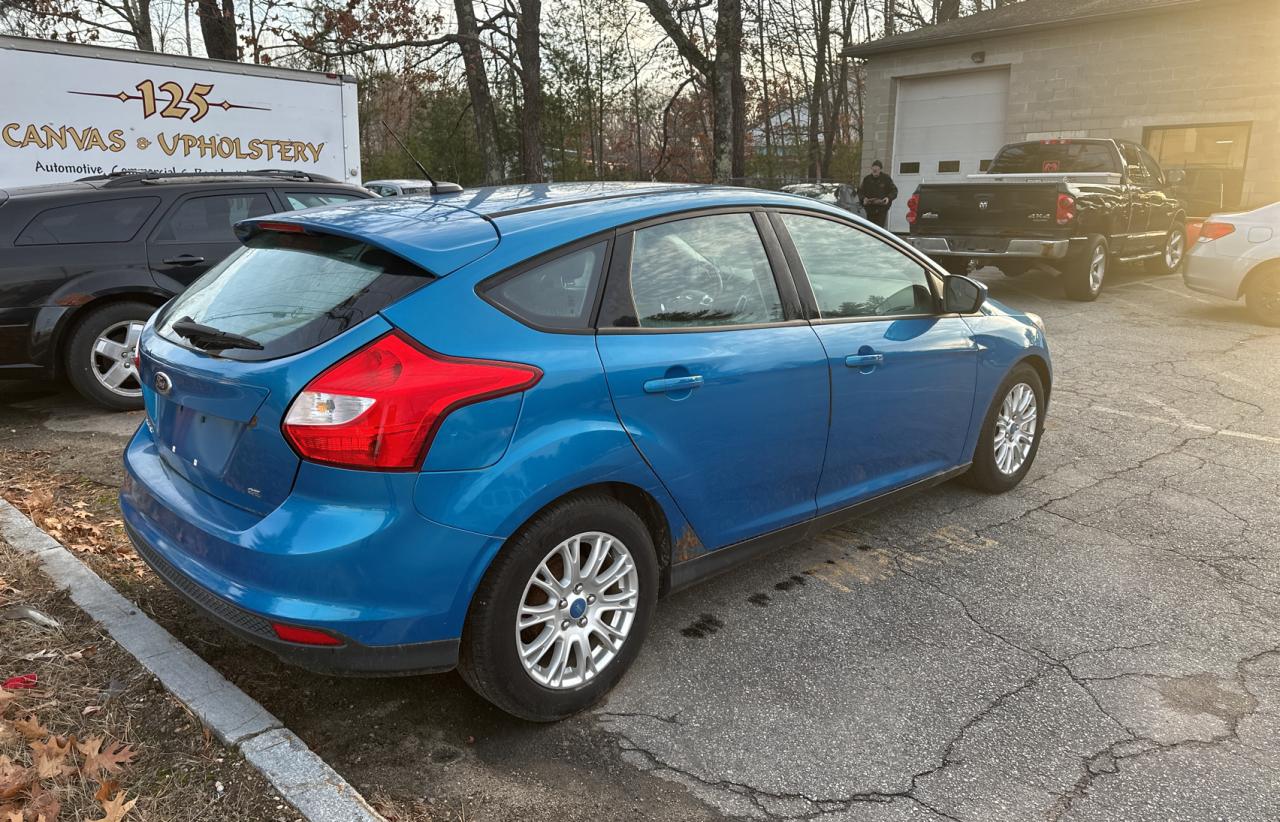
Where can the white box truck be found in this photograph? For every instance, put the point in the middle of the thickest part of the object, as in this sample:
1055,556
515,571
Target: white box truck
69,111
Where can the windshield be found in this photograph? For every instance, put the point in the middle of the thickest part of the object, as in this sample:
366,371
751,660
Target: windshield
1063,157
291,292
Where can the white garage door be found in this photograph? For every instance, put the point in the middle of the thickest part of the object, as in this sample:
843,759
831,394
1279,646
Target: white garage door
945,127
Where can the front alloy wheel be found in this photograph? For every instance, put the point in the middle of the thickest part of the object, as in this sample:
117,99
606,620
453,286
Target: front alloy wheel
1170,260
1015,428
1011,432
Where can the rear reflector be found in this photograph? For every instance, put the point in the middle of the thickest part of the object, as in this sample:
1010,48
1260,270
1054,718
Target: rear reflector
304,636
1215,231
380,407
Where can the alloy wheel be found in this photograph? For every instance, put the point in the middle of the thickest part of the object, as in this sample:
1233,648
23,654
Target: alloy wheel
111,358
1175,248
1015,428
577,610
1097,268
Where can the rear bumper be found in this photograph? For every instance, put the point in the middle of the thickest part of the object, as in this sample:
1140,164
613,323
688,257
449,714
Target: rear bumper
346,553
1211,273
969,247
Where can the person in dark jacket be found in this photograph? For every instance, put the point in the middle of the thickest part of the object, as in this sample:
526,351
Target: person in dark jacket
877,193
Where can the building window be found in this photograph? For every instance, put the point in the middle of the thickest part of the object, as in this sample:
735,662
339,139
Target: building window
948,166
908,168
1213,157
983,165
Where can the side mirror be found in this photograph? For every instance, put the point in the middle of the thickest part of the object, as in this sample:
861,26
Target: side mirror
962,295
1176,176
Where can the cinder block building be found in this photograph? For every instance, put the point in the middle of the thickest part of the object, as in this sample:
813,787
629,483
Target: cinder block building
1196,81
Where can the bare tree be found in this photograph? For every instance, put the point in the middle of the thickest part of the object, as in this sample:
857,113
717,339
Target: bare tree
218,28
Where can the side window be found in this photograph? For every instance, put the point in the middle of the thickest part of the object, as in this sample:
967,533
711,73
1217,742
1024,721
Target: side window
699,272
1139,173
854,274
1153,168
209,219
558,294
107,221
310,199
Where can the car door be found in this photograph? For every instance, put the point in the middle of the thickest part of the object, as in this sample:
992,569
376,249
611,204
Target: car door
1165,204
720,382
196,234
902,374
1144,188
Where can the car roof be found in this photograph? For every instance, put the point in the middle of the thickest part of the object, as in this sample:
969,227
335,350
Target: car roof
135,183
401,183
443,232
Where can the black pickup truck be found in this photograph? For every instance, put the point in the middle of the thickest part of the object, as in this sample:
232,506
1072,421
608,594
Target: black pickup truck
1074,205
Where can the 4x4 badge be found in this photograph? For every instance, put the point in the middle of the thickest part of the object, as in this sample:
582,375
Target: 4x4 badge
162,382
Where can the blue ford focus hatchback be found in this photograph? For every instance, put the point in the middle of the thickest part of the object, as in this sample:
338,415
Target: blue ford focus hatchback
488,430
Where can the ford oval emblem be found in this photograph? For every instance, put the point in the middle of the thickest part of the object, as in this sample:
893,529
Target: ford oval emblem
162,383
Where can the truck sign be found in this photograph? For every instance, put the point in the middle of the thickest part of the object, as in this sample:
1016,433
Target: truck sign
72,111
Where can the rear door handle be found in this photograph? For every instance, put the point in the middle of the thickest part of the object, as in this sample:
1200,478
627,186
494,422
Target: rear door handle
185,259
863,360
672,384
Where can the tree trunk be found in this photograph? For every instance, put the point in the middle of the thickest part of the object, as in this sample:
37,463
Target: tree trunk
818,101
890,21
482,111
218,28
948,10
528,49
723,80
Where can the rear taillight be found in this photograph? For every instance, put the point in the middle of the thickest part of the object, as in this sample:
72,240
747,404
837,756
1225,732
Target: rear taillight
913,206
1066,209
1211,231
380,407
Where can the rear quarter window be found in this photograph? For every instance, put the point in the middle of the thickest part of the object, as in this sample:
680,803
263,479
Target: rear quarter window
104,221
558,294
292,292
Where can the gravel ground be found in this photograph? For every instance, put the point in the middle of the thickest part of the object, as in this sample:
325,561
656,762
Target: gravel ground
1100,643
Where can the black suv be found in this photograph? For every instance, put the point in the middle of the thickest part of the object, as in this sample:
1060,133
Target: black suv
84,264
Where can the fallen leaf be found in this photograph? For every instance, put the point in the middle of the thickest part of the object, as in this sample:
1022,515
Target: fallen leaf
115,809
110,759
105,790
14,778
47,653
31,727
91,710
43,804
15,683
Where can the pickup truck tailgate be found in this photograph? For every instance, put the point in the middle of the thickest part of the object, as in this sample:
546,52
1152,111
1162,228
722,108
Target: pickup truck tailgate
996,209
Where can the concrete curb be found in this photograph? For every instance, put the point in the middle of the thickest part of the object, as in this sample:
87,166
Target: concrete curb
292,768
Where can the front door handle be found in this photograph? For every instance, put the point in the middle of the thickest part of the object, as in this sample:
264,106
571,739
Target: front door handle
672,384
185,259
864,360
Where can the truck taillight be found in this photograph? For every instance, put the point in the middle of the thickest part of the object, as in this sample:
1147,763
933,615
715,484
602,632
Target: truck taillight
380,407
1211,231
1066,209
913,206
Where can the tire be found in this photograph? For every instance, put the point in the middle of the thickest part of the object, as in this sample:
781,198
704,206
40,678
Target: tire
954,265
1262,294
986,474
1171,258
113,327
489,660
1079,278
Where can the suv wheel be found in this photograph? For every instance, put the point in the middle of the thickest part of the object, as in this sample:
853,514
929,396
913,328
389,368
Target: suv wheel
99,355
1083,276
562,611
1262,295
1169,261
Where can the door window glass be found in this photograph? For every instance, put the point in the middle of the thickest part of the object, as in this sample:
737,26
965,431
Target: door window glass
702,271
558,294
854,274
209,219
311,199
106,221
1138,171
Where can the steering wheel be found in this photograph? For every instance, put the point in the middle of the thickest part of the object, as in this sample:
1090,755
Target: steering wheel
690,299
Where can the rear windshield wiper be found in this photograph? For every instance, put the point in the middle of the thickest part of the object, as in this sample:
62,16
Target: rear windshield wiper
212,339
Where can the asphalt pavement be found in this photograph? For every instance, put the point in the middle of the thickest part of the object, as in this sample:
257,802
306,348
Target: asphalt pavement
1099,644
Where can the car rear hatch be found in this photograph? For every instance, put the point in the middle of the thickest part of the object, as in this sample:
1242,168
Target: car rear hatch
291,303
987,210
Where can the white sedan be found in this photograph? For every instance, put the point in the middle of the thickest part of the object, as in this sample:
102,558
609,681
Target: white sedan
1238,255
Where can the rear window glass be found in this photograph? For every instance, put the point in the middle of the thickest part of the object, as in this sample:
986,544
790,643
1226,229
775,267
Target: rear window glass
106,221
1054,158
558,294
291,292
